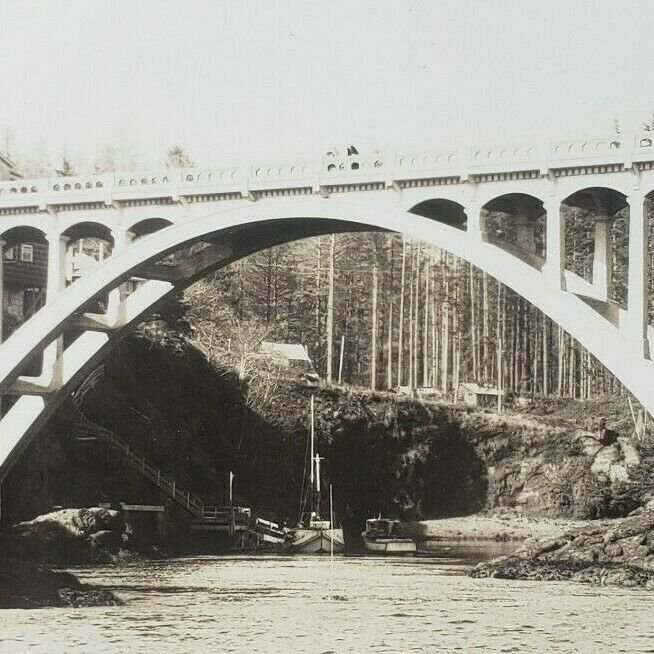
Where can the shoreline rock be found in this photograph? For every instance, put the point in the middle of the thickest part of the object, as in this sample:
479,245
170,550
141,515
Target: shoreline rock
61,538
28,586
616,552
76,537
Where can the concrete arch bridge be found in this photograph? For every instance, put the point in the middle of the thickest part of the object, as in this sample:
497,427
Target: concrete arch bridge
154,234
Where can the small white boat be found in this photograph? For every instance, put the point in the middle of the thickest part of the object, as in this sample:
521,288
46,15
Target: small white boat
382,537
317,538
314,535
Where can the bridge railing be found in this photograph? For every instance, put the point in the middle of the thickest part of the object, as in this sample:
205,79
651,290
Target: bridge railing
329,170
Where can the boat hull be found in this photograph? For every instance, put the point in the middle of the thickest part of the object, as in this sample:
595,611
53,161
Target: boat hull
391,546
316,541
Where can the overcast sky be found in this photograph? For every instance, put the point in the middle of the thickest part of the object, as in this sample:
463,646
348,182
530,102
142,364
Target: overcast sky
270,80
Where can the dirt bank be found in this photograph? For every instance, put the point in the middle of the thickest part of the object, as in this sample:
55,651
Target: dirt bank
504,526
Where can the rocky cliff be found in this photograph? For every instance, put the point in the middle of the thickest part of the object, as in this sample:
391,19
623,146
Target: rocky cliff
384,452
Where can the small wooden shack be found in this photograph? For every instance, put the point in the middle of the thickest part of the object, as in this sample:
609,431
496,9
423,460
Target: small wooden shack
474,394
293,356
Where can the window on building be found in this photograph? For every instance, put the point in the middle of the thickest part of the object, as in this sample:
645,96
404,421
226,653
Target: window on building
9,254
27,252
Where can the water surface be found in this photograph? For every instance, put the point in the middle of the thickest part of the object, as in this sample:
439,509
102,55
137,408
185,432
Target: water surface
354,605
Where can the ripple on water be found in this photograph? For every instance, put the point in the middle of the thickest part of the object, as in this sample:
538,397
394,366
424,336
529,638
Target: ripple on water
274,604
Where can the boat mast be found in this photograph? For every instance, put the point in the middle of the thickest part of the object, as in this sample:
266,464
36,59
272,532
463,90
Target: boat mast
311,477
318,498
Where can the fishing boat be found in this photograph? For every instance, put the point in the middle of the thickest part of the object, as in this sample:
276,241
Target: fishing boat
383,536
314,535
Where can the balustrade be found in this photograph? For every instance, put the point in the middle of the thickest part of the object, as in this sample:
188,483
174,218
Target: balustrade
332,169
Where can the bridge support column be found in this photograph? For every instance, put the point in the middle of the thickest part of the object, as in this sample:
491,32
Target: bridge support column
2,288
554,244
476,227
117,296
57,245
56,265
637,319
603,258
525,234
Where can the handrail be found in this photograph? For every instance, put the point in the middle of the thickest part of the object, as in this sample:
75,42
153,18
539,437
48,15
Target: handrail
138,461
87,428
233,181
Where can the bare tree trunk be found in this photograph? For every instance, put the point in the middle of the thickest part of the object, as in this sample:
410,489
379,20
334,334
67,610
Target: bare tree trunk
537,351
445,345
373,355
456,344
504,336
559,387
411,317
389,361
416,319
485,327
330,309
498,335
434,336
546,388
425,327
473,324
400,338
317,305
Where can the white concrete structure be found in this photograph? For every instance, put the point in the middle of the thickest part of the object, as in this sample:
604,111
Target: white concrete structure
222,214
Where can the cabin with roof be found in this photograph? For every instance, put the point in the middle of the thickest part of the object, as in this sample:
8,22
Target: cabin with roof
474,394
293,356
25,265
25,270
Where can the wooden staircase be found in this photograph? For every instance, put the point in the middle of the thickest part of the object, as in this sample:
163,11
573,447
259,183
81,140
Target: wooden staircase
85,430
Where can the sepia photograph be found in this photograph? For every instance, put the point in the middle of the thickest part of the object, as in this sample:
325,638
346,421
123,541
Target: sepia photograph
327,327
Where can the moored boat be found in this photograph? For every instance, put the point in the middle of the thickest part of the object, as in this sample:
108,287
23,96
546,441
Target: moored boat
314,535
317,538
383,536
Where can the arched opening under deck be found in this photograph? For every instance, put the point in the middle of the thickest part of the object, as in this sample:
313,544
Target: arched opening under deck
515,222
443,211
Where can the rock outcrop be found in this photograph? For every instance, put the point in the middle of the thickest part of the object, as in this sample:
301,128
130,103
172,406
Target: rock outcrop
72,536
26,586
616,552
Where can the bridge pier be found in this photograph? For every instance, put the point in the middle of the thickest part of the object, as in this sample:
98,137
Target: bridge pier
2,293
526,234
554,267
57,249
51,376
603,258
476,222
51,373
637,307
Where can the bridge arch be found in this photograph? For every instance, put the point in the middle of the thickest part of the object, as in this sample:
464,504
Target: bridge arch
31,221
97,218
447,212
145,226
516,222
21,234
569,186
237,232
